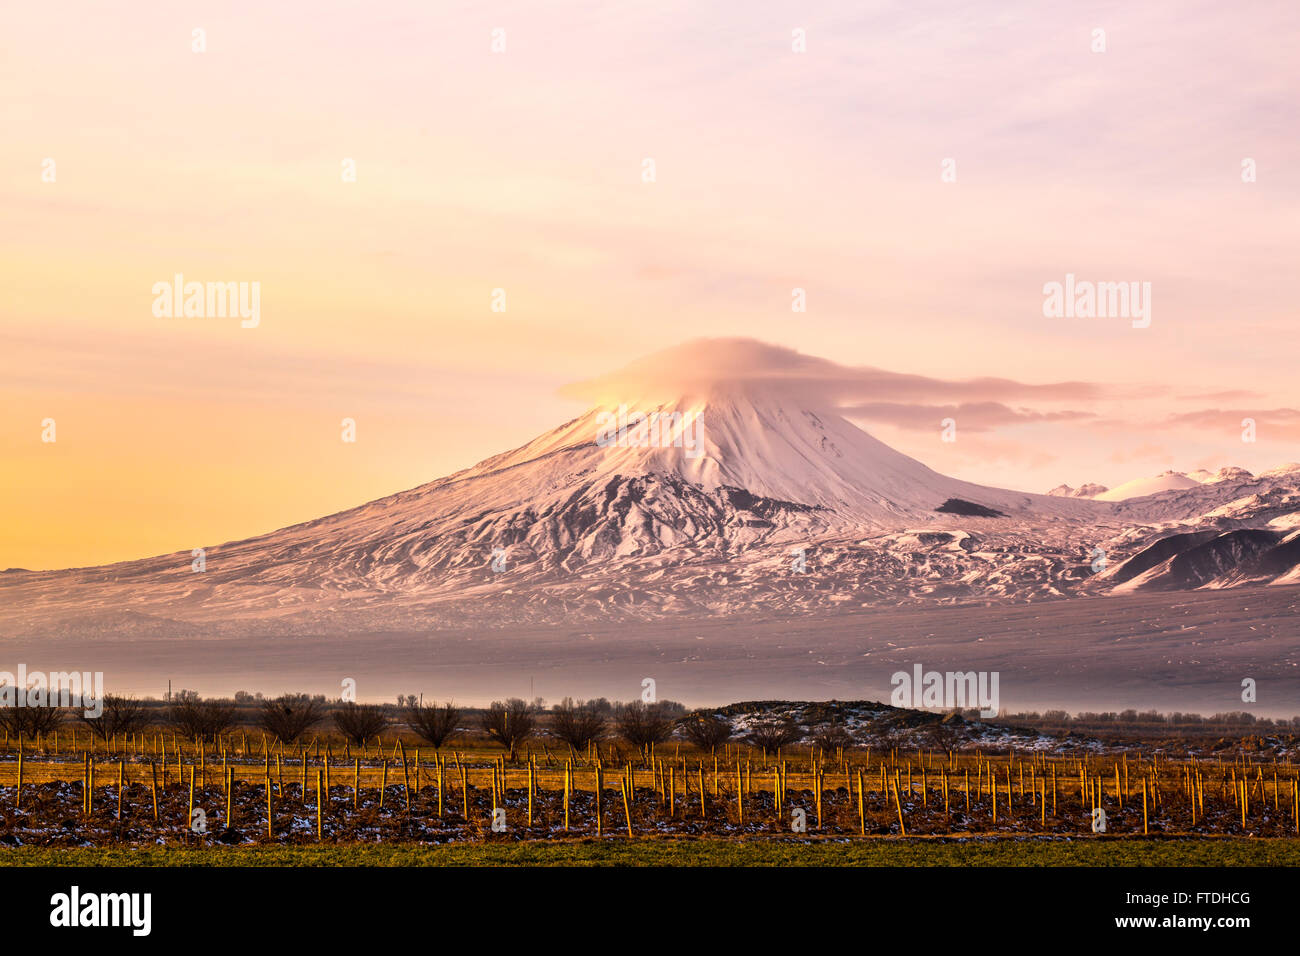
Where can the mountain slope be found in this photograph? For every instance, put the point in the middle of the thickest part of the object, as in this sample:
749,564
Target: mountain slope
730,500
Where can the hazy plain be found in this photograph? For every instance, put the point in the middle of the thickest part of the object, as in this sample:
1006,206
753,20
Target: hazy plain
1187,651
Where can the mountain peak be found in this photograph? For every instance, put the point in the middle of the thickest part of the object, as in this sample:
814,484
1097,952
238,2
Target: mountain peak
782,444
709,369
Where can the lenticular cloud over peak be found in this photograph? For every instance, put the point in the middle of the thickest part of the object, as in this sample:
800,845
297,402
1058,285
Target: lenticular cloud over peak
707,365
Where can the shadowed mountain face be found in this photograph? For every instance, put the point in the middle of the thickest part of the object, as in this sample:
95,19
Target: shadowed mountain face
1160,552
727,502
1203,558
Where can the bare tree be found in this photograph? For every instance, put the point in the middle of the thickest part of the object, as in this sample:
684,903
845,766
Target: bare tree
27,722
643,725
120,716
432,722
195,717
509,723
946,734
707,731
577,724
289,716
773,733
360,722
831,738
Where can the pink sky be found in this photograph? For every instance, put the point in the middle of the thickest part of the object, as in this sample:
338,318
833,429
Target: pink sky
522,170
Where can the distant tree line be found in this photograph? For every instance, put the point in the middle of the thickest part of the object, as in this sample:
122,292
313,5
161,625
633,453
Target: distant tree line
579,725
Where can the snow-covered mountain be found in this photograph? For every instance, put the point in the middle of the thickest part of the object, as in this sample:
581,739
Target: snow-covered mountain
1089,490
1168,481
1141,487
734,436
731,499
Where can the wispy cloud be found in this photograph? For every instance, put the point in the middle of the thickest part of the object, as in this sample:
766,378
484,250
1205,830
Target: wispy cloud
974,416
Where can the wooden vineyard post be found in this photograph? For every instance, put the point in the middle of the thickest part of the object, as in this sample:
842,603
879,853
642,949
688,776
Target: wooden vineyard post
90,784
898,802
190,816
862,809
383,783
406,775
226,781
121,773
740,797
702,813
464,789
153,771
1144,806
18,790
627,806
320,805
441,769
600,785
356,785
531,771
817,794
270,810
568,771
